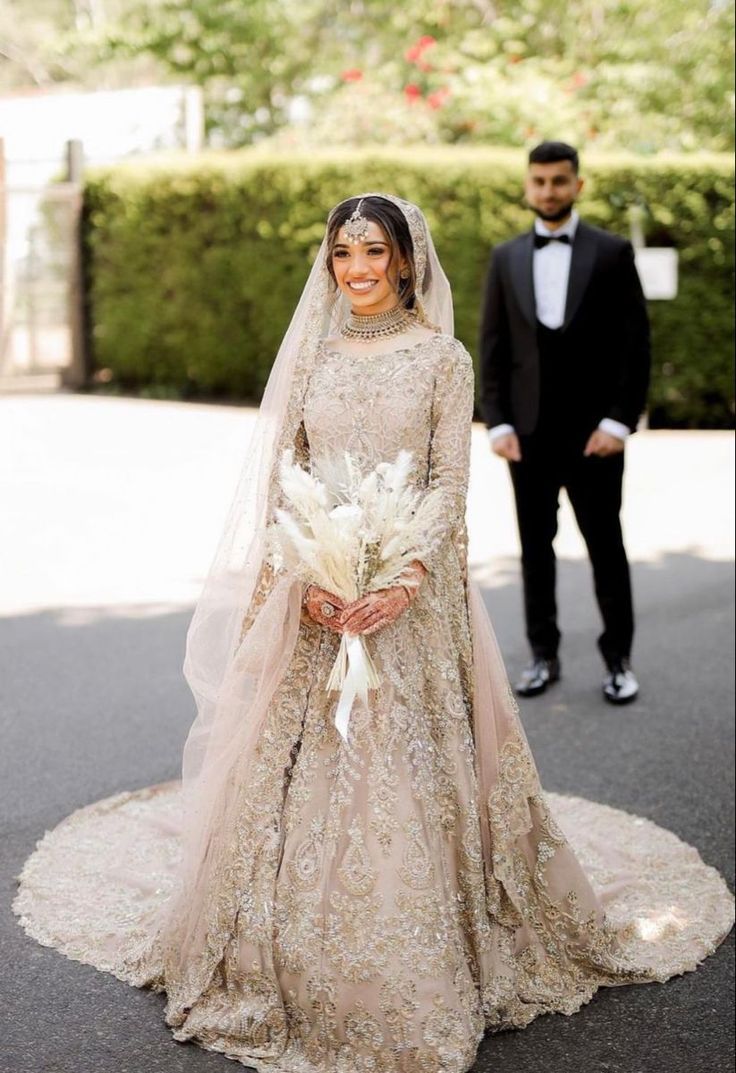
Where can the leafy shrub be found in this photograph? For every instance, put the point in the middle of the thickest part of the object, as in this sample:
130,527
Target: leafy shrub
195,264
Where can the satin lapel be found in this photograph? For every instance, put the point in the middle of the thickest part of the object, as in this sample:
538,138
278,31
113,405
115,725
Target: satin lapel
522,275
581,267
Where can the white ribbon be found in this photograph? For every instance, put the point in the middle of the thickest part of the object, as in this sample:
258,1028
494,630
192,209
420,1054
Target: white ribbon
354,673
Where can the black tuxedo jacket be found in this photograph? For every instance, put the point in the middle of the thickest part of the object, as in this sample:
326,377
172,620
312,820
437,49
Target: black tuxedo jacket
605,335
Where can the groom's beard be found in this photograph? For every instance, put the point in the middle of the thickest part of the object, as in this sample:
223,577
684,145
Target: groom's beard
555,217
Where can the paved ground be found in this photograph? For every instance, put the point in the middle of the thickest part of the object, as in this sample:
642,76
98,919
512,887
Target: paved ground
108,513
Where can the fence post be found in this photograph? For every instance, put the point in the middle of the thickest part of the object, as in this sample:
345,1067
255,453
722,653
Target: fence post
77,373
3,254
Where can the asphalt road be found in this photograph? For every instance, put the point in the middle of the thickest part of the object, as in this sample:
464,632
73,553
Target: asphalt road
92,702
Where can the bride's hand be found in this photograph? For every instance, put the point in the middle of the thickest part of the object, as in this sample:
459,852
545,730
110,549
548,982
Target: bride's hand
323,608
378,609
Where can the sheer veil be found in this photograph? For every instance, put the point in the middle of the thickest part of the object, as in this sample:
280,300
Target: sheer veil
201,925
233,675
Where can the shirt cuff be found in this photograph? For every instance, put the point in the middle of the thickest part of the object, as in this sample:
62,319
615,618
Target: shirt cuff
498,431
615,428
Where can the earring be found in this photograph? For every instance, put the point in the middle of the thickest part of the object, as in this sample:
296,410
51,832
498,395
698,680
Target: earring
404,273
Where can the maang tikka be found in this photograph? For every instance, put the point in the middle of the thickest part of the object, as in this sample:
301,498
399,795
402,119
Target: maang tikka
356,227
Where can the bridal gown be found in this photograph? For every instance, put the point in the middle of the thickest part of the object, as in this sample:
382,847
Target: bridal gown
357,921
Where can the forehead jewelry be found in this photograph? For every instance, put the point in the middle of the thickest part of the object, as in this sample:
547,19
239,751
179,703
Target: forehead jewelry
356,228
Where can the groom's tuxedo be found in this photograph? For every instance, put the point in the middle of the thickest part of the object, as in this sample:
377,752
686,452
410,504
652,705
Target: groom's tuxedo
565,349
605,335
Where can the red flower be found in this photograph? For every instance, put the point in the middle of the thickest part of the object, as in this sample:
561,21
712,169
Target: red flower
352,75
438,98
412,92
414,53
579,79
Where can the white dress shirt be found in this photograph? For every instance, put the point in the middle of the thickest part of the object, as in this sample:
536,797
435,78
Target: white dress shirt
551,273
551,270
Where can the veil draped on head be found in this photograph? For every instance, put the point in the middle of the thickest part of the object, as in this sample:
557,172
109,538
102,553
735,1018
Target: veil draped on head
232,673
213,650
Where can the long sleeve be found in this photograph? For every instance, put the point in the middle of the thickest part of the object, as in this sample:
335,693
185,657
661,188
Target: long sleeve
631,391
495,352
449,457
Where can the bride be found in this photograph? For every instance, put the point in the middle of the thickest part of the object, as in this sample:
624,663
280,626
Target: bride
318,905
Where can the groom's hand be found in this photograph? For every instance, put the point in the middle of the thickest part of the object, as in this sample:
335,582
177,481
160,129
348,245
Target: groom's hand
507,447
602,444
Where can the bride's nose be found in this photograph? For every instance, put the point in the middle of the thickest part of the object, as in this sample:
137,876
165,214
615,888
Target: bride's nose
359,265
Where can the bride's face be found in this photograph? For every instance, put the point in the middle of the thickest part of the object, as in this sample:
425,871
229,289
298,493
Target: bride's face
365,271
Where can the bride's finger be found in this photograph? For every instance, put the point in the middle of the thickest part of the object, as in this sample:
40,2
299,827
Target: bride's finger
329,597
356,613
376,614
358,625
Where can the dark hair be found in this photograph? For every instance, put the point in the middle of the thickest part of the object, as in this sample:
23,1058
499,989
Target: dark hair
393,223
551,152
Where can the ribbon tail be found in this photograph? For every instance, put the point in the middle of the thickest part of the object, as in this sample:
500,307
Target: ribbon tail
361,675
344,708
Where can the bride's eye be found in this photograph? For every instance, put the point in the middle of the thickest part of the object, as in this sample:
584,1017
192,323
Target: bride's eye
376,250
340,254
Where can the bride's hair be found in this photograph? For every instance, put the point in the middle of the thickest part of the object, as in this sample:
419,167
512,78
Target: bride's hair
393,223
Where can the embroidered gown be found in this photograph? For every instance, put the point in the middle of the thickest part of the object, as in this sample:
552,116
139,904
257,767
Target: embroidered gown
356,922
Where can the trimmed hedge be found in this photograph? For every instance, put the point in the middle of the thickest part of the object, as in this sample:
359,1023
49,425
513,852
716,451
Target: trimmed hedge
195,264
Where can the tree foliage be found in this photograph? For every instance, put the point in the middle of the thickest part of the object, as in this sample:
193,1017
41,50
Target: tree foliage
632,74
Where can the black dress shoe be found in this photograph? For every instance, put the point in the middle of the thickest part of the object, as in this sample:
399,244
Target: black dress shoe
620,685
537,676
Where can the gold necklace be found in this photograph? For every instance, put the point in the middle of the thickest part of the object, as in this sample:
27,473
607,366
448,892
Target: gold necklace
378,325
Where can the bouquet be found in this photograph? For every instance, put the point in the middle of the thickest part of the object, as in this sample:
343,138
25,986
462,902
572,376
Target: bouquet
352,533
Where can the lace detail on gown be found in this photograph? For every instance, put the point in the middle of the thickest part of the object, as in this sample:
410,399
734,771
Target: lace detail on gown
672,909
353,920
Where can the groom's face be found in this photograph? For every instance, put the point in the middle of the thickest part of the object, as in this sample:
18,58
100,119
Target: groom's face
552,189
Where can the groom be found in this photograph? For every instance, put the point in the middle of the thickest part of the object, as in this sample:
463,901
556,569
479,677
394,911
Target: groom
565,368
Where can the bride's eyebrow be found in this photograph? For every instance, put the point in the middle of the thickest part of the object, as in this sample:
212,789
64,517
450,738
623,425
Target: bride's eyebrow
371,242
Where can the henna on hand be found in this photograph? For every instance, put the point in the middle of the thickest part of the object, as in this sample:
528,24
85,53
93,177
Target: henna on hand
316,603
378,609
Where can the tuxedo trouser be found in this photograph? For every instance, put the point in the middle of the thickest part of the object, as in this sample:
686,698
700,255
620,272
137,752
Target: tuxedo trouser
593,486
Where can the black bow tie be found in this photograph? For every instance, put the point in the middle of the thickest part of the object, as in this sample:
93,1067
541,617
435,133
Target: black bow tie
540,241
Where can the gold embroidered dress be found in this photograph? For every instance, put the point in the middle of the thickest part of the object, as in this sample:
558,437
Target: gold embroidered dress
371,906
353,924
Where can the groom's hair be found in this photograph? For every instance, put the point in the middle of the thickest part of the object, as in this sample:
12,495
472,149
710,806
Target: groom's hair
552,152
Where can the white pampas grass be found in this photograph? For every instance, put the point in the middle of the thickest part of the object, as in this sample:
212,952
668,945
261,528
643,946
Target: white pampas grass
352,533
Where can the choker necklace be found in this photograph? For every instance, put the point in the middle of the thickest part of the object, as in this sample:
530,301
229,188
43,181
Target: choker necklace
378,325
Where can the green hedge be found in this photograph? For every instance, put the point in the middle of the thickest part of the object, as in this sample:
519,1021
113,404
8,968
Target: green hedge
195,264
